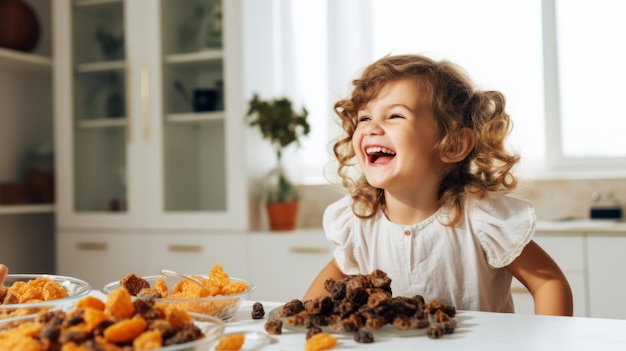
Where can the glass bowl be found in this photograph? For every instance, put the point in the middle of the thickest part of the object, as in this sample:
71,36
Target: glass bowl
211,327
75,288
220,306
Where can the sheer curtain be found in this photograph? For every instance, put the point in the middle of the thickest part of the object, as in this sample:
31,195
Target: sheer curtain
508,45
325,44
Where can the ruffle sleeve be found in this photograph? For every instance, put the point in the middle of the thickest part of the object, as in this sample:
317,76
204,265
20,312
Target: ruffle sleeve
504,225
338,222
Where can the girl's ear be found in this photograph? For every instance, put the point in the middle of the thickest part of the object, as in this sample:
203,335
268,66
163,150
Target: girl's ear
462,142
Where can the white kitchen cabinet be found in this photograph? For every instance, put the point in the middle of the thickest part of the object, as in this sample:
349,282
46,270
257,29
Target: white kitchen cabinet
26,136
568,250
99,258
284,265
607,281
133,151
198,253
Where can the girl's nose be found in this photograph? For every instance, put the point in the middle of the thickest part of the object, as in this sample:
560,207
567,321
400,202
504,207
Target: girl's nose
373,128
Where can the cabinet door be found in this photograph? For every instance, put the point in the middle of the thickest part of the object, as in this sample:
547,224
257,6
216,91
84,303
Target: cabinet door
95,137
198,165
198,253
568,250
100,258
607,281
283,266
150,130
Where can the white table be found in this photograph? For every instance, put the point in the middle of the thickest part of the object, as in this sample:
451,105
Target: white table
475,331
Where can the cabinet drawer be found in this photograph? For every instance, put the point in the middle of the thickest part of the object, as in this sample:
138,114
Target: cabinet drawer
198,253
100,258
284,265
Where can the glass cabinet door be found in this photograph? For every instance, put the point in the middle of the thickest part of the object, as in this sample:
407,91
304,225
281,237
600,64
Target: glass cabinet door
193,124
99,106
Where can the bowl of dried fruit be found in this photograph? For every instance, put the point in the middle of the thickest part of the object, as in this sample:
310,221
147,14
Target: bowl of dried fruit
27,294
117,323
216,294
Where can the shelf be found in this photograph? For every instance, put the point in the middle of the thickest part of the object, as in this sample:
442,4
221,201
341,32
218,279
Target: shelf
104,66
81,3
102,123
22,60
26,209
194,117
195,57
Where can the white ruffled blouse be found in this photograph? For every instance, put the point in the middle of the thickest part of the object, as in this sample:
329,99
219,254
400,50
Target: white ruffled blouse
462,265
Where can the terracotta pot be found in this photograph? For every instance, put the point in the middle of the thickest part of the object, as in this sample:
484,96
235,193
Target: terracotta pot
19,25
283,215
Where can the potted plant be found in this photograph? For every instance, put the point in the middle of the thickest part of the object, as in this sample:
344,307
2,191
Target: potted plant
282,125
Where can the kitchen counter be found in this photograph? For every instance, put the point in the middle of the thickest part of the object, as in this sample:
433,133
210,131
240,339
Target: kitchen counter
582,226
475,331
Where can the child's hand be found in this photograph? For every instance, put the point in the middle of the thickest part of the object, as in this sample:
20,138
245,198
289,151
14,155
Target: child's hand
4,270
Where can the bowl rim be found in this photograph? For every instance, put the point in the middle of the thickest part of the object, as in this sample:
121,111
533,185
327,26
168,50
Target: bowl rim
83,290
109,287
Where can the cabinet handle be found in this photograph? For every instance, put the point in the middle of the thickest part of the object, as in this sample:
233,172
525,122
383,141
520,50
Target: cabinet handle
184,248
129,123
91,246
309,249
145,102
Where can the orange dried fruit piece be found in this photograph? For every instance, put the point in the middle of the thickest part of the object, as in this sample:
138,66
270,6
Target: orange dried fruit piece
119,304
232,342
93,317
148,340
91,302
320,341
176,316
126,330
22,337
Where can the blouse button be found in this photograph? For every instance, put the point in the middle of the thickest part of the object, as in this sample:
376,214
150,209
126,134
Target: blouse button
407,232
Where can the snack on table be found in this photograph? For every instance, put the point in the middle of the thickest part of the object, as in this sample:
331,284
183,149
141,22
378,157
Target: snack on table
36,290
258,312
218,295
30,293
362,303
320,341
232,342
274,326
105,326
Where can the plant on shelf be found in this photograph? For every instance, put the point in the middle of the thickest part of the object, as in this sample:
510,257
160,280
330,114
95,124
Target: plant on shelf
282,125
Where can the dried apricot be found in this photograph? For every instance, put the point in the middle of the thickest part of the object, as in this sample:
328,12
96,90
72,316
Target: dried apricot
148,340
232,342
90,302
126,330
320,341
119,303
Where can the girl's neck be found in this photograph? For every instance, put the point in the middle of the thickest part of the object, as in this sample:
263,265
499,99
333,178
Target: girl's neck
407,210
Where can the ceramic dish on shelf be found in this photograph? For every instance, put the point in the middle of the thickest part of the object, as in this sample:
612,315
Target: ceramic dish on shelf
221,306
37,296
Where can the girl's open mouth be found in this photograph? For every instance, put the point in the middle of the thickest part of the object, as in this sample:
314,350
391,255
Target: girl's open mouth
377,153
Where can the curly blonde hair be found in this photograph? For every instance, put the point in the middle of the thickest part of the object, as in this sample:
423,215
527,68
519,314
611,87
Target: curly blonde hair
456,105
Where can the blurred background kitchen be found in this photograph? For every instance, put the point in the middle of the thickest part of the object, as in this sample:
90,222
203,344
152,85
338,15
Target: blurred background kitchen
123,144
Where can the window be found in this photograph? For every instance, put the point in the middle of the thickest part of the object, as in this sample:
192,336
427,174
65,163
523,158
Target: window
559,63
591,75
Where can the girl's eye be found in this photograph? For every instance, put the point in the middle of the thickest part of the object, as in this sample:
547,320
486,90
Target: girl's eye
396,116
363,119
